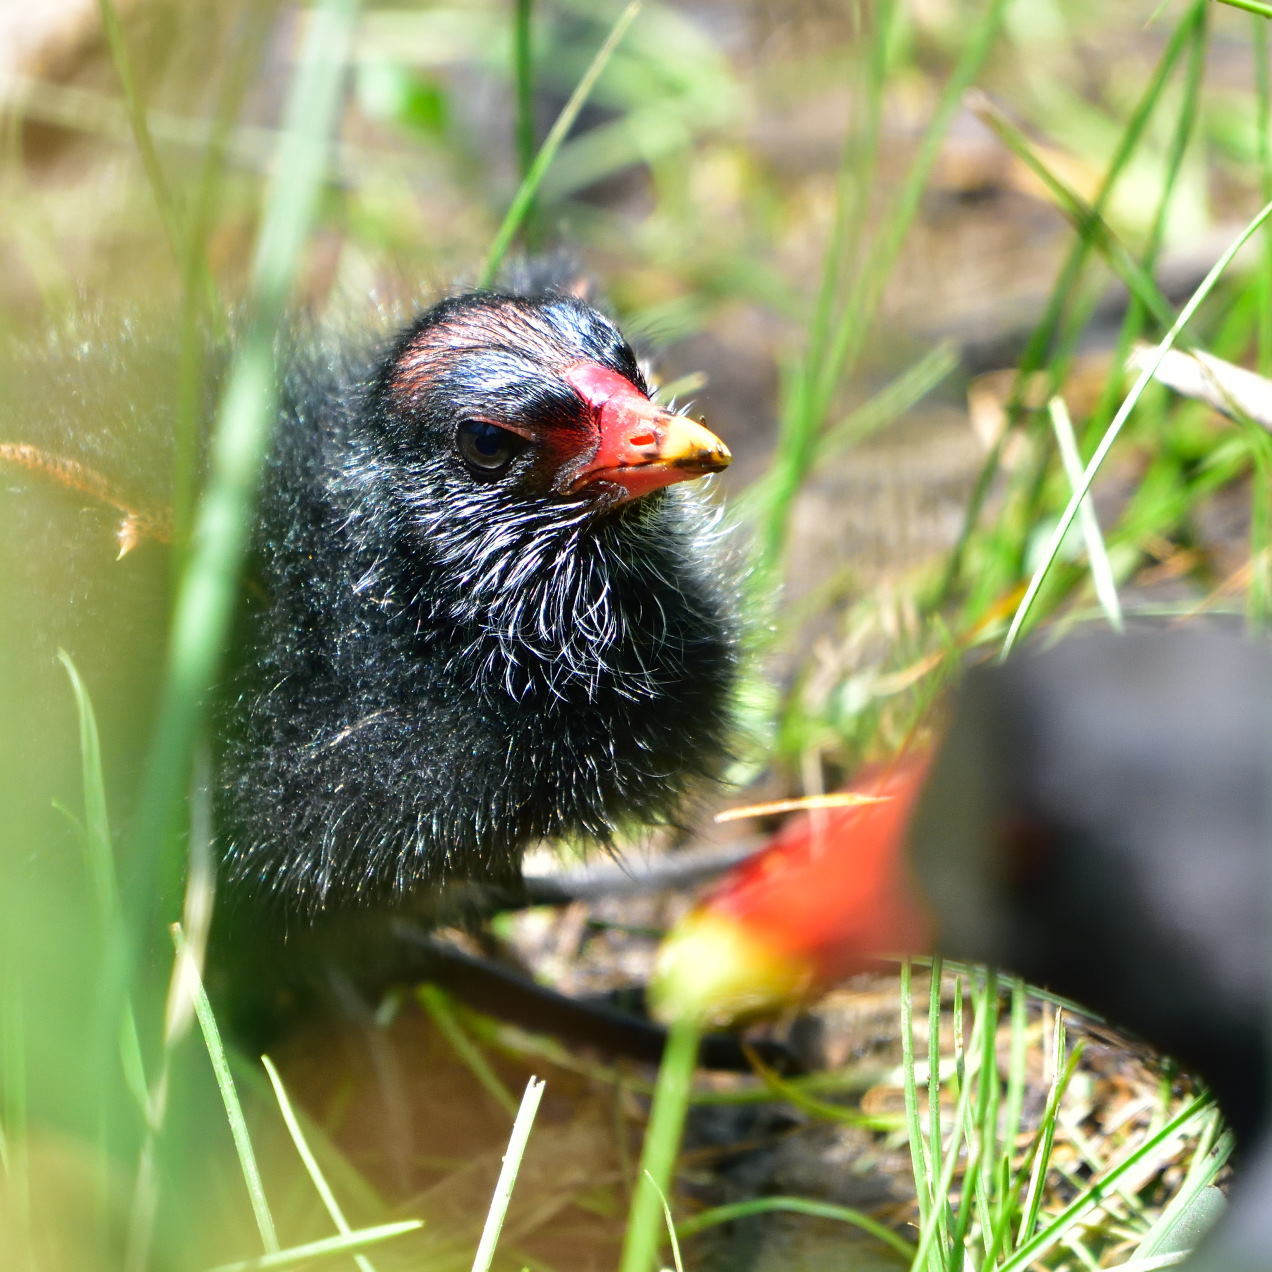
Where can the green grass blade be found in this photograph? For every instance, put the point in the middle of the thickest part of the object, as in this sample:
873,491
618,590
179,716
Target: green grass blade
935,1153
892,401
162,191
1250,6
678,1263
440,1010
523,80
208,586
1087,220
1101,570
889,403
98,841
854,177
1261,47
914,1126
186,974
928,1246
1192,1209
114,1027
310,1162
328,1248
1181,137
523,102
524,197
795,1206
859,311
201,315
1118,422
1035,355
1040,1153
797,1094
662,1143
985,1125
1053,1232
809,388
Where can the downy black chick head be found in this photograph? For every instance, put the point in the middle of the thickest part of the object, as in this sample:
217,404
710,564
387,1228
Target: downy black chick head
485,610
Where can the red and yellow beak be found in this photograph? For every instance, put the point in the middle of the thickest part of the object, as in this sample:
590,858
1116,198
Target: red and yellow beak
829,896
641,447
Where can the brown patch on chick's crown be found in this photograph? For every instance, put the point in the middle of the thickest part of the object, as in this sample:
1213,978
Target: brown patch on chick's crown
507,328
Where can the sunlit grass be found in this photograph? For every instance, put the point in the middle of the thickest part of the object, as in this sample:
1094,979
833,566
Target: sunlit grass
671,106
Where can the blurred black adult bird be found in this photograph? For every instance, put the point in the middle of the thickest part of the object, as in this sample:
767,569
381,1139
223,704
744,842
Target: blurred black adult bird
1096,820
480,608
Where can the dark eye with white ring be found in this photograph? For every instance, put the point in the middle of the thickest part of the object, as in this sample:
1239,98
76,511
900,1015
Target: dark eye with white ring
486,448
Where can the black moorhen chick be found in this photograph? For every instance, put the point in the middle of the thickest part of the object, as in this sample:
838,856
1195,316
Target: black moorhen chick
1098,820
481,607
484,615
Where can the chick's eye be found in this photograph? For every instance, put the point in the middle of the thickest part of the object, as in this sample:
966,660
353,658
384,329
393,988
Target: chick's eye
486,448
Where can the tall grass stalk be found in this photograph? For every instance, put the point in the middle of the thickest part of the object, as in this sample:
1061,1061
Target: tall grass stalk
662,1143
1052,548
208,586
1050,344
834,342
523,199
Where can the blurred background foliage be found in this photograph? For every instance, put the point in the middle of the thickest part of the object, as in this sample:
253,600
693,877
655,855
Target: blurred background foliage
870,280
